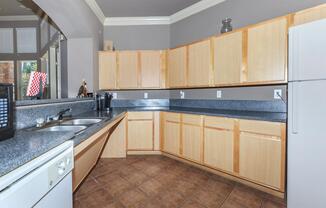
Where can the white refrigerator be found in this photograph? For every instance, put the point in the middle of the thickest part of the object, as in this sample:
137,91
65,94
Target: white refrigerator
306,176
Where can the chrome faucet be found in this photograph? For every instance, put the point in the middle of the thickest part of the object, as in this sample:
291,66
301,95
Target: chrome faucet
58,116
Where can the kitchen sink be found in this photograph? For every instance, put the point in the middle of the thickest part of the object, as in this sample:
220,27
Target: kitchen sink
82,121
74,129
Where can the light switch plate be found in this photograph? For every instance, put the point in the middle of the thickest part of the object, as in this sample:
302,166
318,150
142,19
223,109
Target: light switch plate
182,95
218,94
145,95
277,94
115,95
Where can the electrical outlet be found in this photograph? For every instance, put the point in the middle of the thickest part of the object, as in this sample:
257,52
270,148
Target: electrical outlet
115,95
277,94
218,94
145,95
182,94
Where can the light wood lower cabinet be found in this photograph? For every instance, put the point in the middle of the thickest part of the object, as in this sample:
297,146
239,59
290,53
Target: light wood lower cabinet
140,131
192,137
116,145
86,160
172,133
219,149
261,159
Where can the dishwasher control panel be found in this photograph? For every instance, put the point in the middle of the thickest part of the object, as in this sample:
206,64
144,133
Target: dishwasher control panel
58,170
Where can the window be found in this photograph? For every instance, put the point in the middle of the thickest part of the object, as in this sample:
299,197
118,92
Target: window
7,72
24,69
6,40
26,40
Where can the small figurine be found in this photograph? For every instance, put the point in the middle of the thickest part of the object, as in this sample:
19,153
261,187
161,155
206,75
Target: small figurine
83,89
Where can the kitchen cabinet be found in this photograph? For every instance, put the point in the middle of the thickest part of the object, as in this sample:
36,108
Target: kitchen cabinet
87,153
262,153
228,58
219,143
192,137
267,52
152,63
140,131
107,70
172,133
177,67
116,144
128,69
200,64
310,15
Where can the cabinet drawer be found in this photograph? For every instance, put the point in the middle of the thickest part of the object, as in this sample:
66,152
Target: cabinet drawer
174,117
140,115
192,119
261,127
220,123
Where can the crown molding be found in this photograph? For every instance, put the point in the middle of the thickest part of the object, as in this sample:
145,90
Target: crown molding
193,9
96,9
19,18
159,20
122,21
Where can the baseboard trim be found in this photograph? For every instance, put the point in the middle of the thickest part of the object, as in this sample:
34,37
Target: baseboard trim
144,153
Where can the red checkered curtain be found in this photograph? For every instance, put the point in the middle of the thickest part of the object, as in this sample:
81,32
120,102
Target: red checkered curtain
35,79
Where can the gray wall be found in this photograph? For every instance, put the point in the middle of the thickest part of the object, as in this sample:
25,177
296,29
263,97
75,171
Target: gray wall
79,24
149,37
243,12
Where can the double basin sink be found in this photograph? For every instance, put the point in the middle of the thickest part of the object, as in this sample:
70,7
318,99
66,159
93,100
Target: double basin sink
72,125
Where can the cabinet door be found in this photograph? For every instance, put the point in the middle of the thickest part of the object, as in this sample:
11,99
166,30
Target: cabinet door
128,70
261,159
200,64
310,15
107,70
228,59
192,142
150,69
218,149
177,67
267,52
140,135
172,138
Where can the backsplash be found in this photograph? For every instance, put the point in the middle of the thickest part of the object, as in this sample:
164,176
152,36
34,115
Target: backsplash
244,105
141,103
25,116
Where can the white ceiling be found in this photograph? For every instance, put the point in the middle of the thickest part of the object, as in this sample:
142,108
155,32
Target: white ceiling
15,7
142,8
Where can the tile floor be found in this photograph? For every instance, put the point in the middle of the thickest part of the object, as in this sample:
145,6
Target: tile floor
158,181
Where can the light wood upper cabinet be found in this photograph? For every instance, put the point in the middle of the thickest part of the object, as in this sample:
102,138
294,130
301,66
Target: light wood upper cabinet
128,67
177,67
267,52
140,131
310,15
107,70
151,65
200,64
228,58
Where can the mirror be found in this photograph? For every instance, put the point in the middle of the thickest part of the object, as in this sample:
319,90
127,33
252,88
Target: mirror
32,52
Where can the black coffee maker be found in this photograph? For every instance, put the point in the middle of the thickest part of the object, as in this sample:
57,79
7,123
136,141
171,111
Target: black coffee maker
103,101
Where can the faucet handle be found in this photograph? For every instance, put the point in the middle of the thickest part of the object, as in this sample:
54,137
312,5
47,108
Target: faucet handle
40,122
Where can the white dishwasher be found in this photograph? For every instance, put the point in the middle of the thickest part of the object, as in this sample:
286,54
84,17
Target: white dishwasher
45,182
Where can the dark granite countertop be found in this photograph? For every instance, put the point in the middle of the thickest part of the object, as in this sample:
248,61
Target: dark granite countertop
27,145
250,115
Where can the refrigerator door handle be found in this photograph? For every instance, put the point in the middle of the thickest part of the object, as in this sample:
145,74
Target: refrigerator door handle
295,107
294,44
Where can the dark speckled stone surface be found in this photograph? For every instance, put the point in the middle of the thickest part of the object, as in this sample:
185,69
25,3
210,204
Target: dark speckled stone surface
26,146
